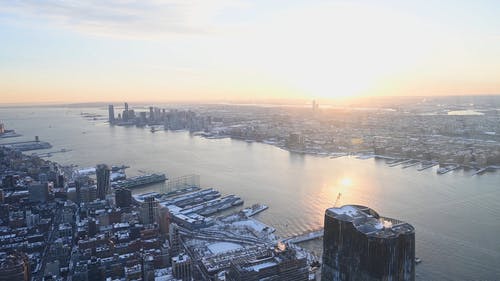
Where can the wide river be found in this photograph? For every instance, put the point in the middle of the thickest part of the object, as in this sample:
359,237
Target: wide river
456,215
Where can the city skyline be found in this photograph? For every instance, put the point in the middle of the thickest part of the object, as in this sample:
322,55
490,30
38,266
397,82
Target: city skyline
233,51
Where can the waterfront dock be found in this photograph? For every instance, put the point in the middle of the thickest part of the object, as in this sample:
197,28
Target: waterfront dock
50,153
311,235
486,169
28,145
399,162
427,166
410,164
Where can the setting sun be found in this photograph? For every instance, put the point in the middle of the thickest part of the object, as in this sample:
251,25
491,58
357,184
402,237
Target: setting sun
346,182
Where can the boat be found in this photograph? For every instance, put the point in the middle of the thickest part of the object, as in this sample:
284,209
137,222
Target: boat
224,206
141,180
255,209
237,202
442,170
418,260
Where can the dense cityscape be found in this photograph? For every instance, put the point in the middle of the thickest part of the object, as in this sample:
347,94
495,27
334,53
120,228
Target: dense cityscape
173,140
424,134
69,223
59,223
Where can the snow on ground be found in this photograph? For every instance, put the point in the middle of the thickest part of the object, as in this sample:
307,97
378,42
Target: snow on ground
222,247
251,223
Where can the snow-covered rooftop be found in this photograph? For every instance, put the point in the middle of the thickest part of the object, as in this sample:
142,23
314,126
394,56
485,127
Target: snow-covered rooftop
222,247
258,267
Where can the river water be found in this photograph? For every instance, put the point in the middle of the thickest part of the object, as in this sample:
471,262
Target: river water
456,215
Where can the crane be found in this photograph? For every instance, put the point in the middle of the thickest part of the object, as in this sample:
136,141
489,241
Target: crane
337,200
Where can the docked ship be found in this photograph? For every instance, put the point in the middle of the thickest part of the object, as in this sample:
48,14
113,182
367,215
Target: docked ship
141,180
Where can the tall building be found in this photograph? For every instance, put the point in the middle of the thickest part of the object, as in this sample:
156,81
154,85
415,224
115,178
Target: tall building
111,113
358,244
125,115
150,210
123,197
15,266
38,192
315,106
151,114
182,267
103,181
88,194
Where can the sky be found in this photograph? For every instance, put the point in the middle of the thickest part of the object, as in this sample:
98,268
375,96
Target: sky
246,50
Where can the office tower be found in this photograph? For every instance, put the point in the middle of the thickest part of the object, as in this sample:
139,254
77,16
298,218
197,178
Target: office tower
148,268
182,267
92,227
174,239
149,210
15,266
88,194
43,178
123,197
38,192
151,114
103,181
358,244
125,113
8,182
111,114
78,189
60,181
164,220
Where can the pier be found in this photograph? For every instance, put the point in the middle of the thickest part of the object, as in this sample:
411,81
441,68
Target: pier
49,154
311,235
486,169
411,164
28,145
399,162
427,166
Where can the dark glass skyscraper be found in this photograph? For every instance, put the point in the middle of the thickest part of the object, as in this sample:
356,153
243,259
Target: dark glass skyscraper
111,113
358,244
103,180
123,197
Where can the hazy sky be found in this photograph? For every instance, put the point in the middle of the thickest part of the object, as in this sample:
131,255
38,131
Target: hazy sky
152,50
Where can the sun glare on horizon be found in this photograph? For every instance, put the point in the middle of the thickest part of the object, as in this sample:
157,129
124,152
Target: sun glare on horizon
245,50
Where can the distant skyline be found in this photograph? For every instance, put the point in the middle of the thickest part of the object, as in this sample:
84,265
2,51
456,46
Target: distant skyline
166,51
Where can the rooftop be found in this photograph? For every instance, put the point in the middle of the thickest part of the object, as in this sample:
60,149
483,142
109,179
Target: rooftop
369,222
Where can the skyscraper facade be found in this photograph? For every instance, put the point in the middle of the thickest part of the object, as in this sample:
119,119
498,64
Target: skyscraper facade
103,173
358,244
111,113
150,210
123,197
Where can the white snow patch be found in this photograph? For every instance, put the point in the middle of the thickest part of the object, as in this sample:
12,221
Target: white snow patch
222,247
256,225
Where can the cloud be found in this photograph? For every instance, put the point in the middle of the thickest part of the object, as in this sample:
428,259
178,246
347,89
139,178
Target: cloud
129,18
